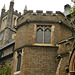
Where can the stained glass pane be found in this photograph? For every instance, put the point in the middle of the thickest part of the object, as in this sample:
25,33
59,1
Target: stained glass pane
39,38
47,36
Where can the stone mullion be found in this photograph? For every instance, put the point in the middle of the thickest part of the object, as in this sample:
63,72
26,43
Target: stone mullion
43,34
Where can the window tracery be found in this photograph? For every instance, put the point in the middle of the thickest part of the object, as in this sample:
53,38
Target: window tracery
43,34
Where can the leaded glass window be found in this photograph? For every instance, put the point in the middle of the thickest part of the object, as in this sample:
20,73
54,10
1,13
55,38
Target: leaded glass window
43,34
39,38
47,36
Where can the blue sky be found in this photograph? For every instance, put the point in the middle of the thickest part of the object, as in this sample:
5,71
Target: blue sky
49,5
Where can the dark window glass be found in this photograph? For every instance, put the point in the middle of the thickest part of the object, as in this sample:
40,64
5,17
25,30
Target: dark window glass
47,36
19,62
43,34
39,38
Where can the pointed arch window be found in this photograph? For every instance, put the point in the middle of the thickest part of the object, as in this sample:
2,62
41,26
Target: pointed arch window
43,34
19,60
47,36
39,38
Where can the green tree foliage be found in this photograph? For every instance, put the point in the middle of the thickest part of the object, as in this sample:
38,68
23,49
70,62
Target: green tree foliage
5,69
72,9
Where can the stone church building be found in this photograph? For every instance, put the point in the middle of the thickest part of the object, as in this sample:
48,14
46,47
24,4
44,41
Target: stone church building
37,43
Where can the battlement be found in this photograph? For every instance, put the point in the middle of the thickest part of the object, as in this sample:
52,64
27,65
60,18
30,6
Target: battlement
39,16
40,12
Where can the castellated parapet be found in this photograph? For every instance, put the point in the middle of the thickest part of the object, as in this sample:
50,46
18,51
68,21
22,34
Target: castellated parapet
39,16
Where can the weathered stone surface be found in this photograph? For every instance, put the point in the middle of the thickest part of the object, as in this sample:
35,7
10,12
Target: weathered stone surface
34,55
38,60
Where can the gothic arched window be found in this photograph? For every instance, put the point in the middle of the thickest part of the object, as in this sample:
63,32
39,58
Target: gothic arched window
19,60
47,36
39,38
43,34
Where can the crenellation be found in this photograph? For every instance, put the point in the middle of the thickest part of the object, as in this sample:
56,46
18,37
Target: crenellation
44,14
34,14
30,11
49,16
39,11
58,12
49,12
54,14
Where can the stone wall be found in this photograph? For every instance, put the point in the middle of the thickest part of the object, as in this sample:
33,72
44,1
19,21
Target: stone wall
41,59
38,60
26,34
65,50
